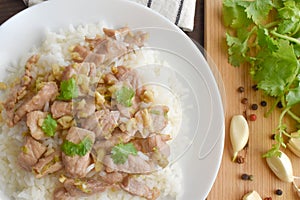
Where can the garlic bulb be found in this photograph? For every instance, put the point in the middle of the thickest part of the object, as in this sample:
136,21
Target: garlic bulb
282,167
239,134
252,196
294,144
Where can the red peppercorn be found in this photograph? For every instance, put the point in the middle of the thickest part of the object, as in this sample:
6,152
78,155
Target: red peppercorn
268,198
252,117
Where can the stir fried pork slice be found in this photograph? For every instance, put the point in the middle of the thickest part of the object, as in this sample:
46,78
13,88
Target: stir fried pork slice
138,188
111,49
85,107
34,120
116,33
117,137
133,165
62,194
113,177
82,54
85,68
136,40
76,166
102,123
46,94
151,120
31,152
61,108
156,147
48,165
129,76
82,188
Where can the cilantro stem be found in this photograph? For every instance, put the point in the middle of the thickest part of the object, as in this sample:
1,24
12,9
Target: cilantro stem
294,116
271,24
291,39
267,114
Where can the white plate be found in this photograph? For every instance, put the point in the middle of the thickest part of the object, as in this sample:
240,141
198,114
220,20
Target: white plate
201,159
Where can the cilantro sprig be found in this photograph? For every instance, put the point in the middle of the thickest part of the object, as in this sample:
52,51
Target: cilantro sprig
120,152
264,35
81,149
49,126
68,90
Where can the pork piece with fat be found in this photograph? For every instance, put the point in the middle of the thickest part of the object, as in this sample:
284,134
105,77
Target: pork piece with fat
76,166
113,177
133,165
20,90
31,153
34,122
84,188
61,108
138,188
155,147
85,108
86,68
48,165
102,123
82,54
62,194
46,94
151,120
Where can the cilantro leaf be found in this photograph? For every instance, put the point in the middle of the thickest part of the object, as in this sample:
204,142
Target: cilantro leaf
274,73
81,149
290,16
293,96
234,15
68,90
120,152
124,96
49,126
264,40
258,10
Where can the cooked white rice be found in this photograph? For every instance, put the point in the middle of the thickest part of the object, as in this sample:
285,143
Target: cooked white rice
19,184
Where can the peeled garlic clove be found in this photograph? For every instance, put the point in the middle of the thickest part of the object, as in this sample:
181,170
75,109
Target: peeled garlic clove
294,144
252,196
282,167
239,134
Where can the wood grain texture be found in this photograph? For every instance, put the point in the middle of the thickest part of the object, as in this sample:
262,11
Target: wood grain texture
228,185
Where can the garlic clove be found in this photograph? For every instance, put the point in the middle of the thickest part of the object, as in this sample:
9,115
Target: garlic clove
282,167
239,134
294,144
252,196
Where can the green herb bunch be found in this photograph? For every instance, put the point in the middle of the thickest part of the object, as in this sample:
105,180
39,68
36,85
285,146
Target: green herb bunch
265,34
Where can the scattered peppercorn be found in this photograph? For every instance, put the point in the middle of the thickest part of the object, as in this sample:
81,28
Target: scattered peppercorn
254,106
240,159
252,117
254,87
241,89
268,198
263,103
244,101
278,192
279,105
245,177
273,136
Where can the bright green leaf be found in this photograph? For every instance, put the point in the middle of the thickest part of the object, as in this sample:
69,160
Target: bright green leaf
81,149
125,95
68,90
120,152
49,126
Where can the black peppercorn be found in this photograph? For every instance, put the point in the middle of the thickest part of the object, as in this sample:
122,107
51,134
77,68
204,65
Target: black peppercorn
263,103
278,192
254,106
273,136
241,89
279,104
254,87
245,177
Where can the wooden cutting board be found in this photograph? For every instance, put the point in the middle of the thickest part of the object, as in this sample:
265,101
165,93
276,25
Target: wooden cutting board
229,185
